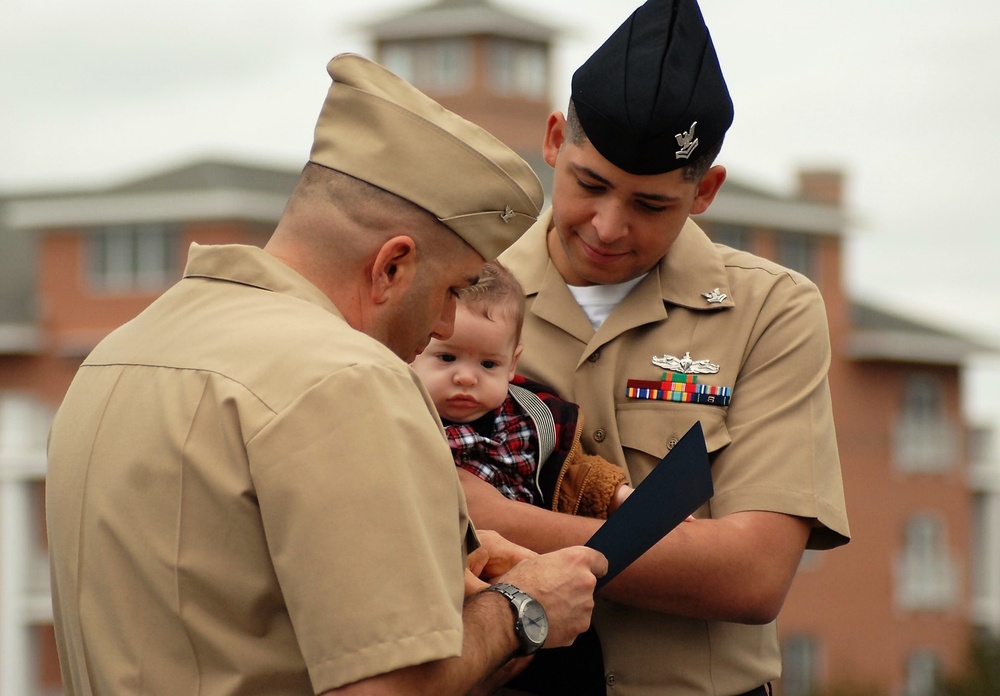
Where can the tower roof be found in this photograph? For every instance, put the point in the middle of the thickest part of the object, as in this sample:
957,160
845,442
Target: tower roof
459,18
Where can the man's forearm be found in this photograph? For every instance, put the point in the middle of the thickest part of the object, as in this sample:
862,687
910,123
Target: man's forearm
534,527
737,568
488,642
562,582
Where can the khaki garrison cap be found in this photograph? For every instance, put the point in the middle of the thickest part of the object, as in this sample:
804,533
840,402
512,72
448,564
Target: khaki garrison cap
378,128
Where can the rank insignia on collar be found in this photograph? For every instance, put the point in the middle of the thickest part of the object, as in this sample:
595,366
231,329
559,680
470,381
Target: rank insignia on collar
714,296
507,214
685,365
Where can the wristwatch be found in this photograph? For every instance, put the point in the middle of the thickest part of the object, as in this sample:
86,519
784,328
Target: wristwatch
531,625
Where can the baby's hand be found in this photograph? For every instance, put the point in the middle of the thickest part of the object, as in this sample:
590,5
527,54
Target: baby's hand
621,493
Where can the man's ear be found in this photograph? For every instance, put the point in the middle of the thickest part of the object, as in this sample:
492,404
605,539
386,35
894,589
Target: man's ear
555,136
394,269
708,187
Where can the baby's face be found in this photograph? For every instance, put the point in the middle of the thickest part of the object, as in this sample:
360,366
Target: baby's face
468,374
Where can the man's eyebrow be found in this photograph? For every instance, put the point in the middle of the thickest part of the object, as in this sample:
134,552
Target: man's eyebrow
590,173
658,197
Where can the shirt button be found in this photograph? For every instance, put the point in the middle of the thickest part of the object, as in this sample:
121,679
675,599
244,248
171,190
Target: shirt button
671,443
611,679
599,435
594,357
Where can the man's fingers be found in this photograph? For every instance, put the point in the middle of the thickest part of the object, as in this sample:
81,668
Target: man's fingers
598,563
497,555
473,584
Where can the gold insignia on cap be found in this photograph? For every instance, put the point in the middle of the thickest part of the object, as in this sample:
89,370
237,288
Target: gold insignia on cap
687,142
507,214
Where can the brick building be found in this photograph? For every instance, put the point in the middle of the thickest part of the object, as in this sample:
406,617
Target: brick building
890,612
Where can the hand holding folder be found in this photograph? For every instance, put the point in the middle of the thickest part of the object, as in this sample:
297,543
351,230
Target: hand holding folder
675,488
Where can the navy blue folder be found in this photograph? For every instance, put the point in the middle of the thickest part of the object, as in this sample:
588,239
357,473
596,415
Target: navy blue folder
674,489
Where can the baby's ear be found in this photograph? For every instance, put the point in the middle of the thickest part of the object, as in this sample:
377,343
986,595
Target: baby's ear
513,363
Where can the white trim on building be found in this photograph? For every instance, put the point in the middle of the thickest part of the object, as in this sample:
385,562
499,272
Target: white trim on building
24,579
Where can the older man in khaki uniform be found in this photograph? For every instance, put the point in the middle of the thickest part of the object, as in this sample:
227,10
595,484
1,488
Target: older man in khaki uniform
636,315
249,491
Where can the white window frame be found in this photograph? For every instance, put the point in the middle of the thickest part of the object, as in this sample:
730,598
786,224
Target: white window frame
449,66
926,573
400,59
923,673
924,441
132,258
800,657
519,69
799,252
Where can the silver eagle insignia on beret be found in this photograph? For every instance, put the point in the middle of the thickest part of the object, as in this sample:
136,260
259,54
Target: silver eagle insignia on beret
687,142
685,365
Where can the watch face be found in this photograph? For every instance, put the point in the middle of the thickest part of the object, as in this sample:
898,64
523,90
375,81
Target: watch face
535,622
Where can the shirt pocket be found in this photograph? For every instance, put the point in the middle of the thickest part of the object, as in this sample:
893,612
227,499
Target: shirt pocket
648,432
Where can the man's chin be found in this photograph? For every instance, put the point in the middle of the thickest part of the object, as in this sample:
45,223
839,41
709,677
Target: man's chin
408,358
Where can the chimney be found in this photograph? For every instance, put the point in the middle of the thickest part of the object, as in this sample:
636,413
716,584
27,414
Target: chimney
822,186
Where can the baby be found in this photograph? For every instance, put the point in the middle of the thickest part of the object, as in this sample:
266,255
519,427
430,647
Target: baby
509,431
524,440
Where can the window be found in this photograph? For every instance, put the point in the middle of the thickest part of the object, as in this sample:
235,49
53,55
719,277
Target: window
399,59
926,575
132,257
923,439
442,66
24,426
798,252
518,69
450,66
799,658
735,236
923,674
985,556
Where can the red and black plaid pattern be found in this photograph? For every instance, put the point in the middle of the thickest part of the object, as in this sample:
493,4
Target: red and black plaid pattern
507,458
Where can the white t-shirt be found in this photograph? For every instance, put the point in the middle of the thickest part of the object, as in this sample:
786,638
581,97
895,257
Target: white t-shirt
597,301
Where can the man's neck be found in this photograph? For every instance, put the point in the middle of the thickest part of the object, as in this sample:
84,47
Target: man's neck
559,259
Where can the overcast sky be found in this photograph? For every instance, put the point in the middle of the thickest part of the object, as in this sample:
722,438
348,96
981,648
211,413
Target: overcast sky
901,94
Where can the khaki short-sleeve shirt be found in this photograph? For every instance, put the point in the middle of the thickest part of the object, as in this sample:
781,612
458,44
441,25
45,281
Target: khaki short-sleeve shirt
247,496
772,448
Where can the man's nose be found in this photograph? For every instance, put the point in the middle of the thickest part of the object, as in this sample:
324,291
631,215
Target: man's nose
445,325
610,222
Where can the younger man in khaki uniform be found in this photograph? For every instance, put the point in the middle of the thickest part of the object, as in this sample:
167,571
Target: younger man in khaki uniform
248,492
635,315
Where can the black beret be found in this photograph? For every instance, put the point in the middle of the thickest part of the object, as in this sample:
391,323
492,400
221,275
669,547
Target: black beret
652,98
